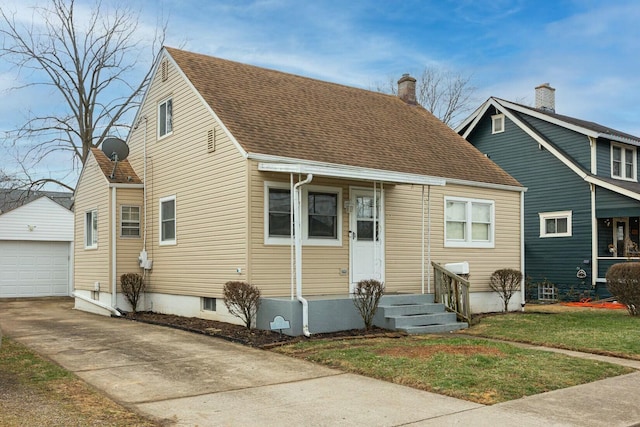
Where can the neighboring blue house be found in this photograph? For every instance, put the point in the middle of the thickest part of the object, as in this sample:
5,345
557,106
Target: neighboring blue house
582,206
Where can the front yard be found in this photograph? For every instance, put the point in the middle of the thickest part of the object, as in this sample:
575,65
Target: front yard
486,371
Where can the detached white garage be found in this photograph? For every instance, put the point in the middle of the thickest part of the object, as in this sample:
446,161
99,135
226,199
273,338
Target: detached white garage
36,244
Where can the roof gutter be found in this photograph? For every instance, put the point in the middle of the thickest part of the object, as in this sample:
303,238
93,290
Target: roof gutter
289,165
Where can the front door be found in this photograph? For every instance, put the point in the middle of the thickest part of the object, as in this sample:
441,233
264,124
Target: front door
621,235
366,225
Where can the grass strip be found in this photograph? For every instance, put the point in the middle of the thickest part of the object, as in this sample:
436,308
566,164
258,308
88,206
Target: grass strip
607,332
35,391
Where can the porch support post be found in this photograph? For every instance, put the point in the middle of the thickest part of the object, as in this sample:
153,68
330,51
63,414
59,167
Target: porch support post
291,231
523,288
594,238
375,229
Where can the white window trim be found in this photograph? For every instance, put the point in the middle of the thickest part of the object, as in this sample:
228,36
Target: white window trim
122,236
555,215
164,101
634,177
175,221
497,118
468,243
306,240
94,233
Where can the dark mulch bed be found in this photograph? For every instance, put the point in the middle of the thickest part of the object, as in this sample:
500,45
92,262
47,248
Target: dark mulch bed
240,334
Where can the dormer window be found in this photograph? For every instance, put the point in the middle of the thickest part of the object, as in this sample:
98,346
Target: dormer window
623,162
497,123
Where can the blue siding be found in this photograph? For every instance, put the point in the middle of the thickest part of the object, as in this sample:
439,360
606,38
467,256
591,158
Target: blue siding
574,145
551,187
603,158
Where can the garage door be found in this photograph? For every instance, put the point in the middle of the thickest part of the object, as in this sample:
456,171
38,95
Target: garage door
34,269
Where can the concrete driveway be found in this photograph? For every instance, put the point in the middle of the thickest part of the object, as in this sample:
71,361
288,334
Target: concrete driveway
196,380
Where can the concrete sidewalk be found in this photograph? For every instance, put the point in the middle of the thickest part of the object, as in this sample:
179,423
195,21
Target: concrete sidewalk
197,380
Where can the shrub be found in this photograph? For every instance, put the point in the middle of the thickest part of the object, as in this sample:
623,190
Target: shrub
366,298
242,300
506,282
132,287
623,281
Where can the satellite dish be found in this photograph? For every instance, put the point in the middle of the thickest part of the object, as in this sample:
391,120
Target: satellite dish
115,149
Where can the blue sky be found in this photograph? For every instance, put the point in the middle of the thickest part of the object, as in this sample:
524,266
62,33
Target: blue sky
588,50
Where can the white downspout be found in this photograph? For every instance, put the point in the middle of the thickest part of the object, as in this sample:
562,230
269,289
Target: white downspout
114,273
375,229
429,239
422,241
297,222
523,289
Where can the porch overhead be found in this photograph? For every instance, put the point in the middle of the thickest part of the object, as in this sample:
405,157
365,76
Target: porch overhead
350,172
617,212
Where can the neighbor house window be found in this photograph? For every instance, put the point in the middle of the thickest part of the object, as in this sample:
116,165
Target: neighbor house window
469,223
623,162
497,123
555,224
129,221
320,215
208,304
91,229
547,292
165,118
168,220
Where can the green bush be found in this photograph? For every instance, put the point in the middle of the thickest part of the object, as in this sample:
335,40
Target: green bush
506,282
623,281
242,300
366,298
133,286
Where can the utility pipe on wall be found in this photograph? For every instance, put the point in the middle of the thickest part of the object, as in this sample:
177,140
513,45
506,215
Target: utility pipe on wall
297,222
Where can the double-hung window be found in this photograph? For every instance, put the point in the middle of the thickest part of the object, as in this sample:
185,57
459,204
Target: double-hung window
623,162
91,229
469,223
165,118
497,123
555,224
129,221
321,215
168,220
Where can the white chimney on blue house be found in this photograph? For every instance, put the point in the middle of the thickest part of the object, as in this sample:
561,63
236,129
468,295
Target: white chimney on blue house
546,98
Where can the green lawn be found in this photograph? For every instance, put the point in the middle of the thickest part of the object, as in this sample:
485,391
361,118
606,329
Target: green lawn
609,332
478,370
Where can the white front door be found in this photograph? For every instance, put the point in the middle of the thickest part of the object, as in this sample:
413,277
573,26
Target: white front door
366,236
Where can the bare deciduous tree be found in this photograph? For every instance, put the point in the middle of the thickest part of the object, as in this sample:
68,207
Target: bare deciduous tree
446,94
89,60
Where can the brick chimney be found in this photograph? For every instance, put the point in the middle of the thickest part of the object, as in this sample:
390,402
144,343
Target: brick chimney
546,98
407,89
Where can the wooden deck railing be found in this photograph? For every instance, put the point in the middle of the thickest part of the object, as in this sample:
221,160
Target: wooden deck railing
452,291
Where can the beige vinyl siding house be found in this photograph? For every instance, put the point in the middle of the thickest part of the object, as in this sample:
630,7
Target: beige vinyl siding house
224,149
92,260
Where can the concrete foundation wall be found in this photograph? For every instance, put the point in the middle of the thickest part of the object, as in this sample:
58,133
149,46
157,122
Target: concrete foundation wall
325,315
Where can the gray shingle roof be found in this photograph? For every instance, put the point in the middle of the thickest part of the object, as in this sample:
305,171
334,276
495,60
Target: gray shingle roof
279,114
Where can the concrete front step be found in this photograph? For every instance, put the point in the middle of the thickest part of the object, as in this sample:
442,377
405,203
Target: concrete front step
397,322
409,309
398,299
415,314
434,329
